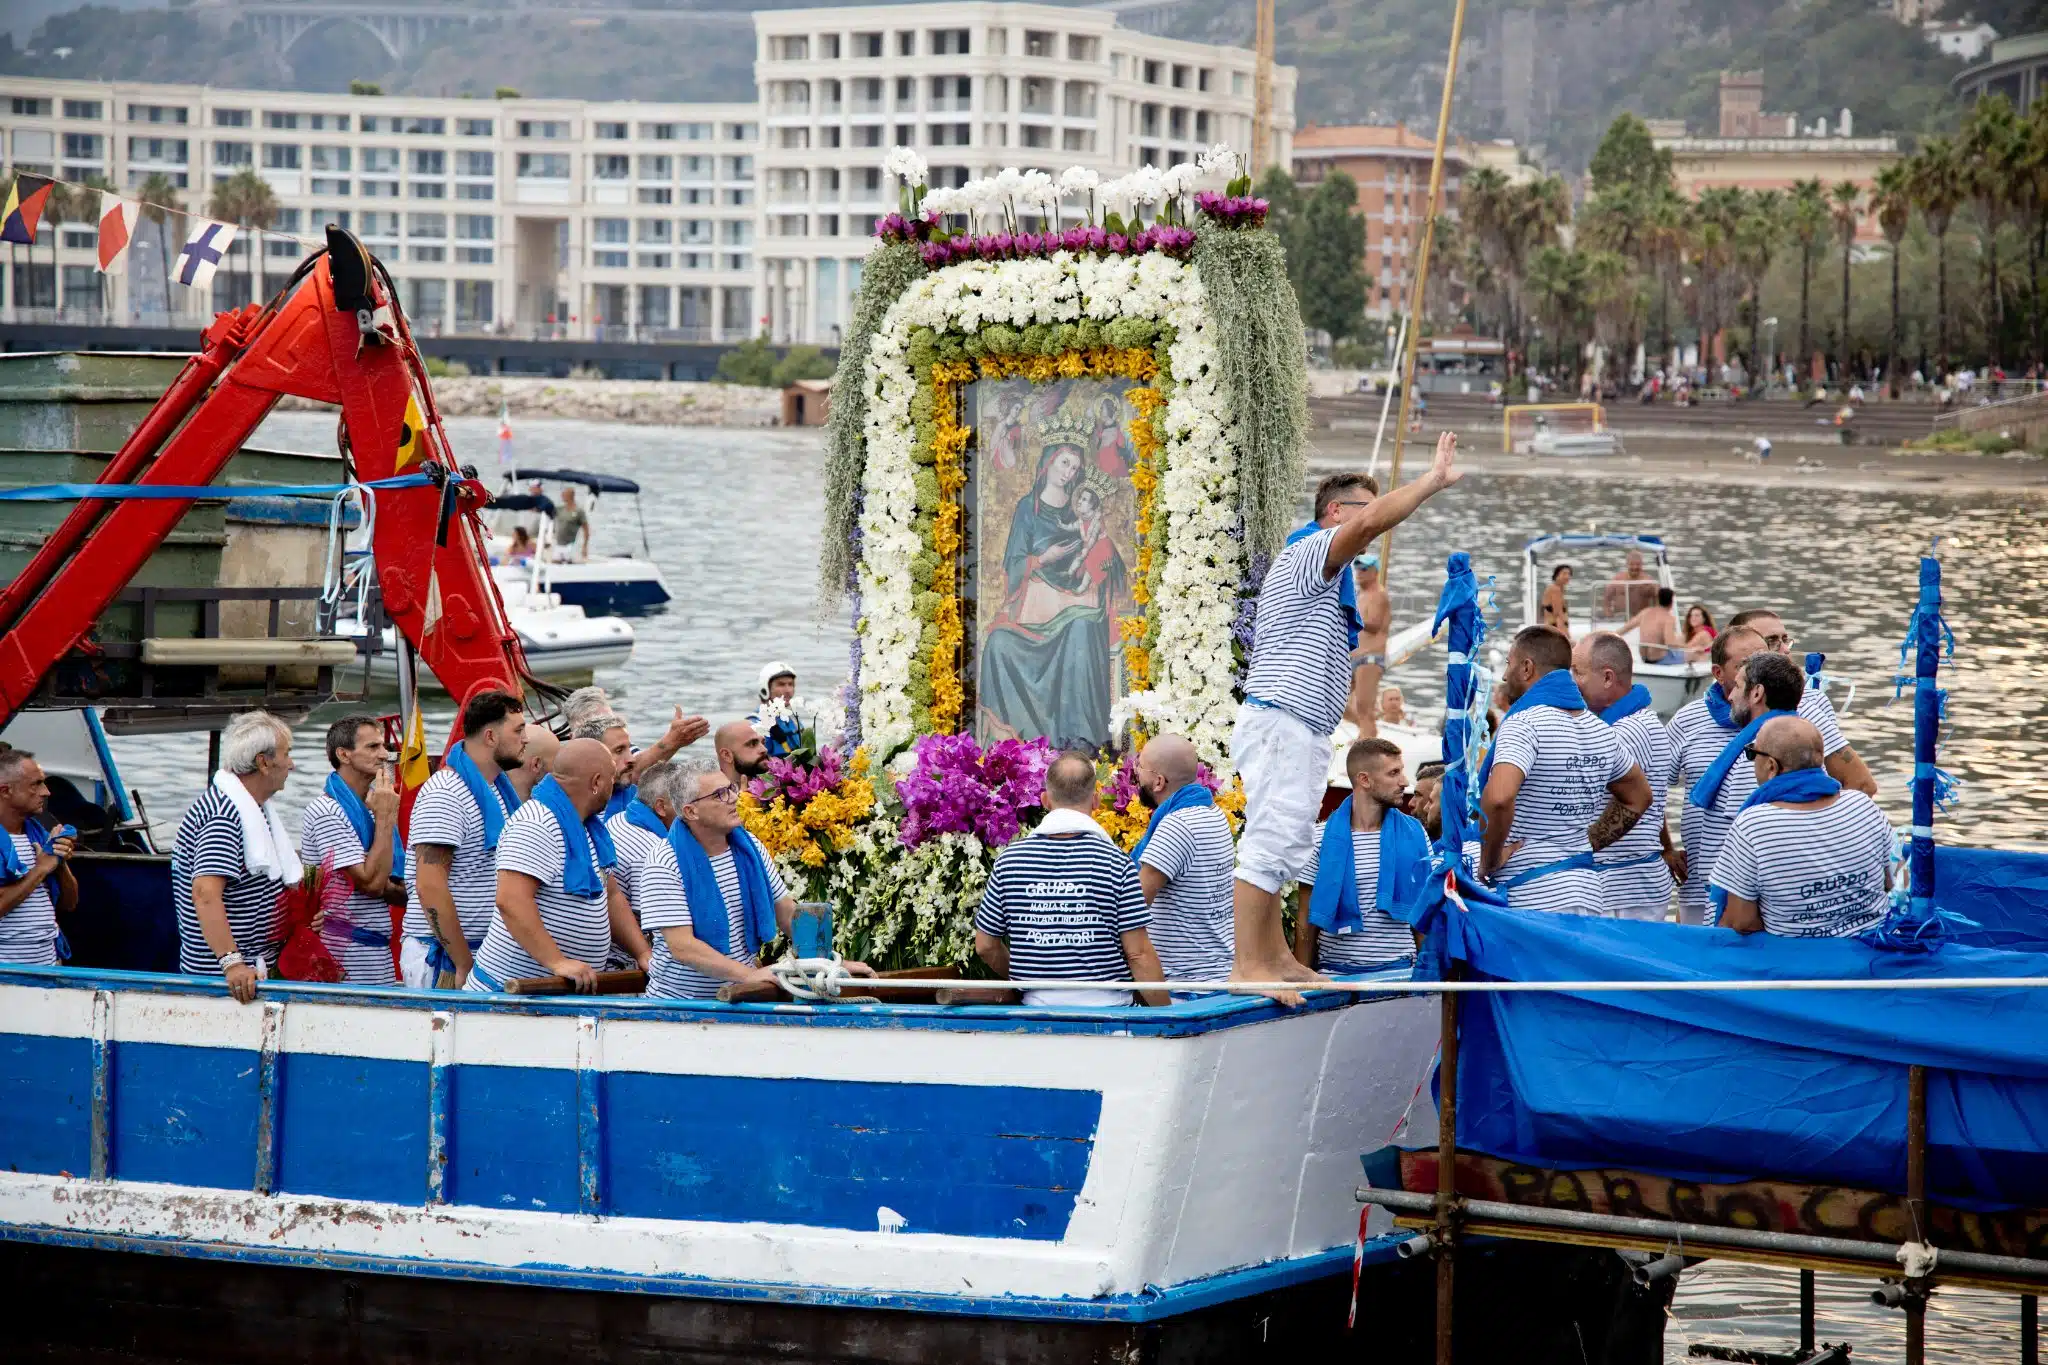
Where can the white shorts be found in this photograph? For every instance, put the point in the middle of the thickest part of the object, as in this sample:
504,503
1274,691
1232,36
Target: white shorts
1285,768
413,968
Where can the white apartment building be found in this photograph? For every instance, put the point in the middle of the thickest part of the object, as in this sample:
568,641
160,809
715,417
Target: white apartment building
974,88
595,220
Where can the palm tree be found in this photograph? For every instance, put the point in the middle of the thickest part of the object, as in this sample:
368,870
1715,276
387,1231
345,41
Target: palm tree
160,205
1612,291
1720,209
1556,282
1989,148
2031,197
1668,234
1809,220
1758,234
1844,199
1936,176
246,200
1893,200
57,211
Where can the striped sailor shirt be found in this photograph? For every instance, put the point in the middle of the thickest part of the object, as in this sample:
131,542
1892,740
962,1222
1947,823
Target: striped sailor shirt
1063,904
1301,652
1645,887
1194,927
210,845
445,814
28,932
581,926
1381,939
1823,872
1567,759
326,835
664,905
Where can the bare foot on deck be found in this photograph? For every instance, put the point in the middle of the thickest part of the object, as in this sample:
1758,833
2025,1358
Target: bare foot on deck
1279,969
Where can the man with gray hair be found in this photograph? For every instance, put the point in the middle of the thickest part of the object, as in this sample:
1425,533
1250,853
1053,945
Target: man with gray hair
642,827
591,703
1806,857
233,857
1066,902
33,864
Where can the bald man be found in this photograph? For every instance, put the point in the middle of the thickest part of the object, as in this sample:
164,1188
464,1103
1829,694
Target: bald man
1806,857
559,912
742,753
536,762
1635,870
1184,863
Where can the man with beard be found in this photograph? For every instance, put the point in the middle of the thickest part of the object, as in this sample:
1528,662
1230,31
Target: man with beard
1843,762
456,821
1370,858
742,753
1184,863
1635,870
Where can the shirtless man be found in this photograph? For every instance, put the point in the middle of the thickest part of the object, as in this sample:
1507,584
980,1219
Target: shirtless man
1658,636
1557,613
1369,660
1629,591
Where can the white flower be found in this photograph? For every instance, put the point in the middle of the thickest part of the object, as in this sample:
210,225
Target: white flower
1078,180
1037,190
1219,160
1179,179
1147,185
906,165
942,201
1119,196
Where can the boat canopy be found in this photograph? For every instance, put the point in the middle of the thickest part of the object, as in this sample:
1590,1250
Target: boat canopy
596,483
524,502
1576,540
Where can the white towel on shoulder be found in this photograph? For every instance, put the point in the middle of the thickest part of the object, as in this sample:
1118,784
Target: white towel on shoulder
1060,821
267,847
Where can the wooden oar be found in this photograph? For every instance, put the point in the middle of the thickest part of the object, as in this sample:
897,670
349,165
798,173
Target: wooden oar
632,981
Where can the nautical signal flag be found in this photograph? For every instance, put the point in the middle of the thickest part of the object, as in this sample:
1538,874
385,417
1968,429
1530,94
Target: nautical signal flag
202,253
413,768
117,229
410,428
25,200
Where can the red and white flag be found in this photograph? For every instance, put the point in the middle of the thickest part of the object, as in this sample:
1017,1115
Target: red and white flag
117,229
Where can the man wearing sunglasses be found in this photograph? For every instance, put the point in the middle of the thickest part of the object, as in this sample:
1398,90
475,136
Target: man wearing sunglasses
1805,858
1843,762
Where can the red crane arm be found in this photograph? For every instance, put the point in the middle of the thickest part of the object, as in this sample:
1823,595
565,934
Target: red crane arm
334,335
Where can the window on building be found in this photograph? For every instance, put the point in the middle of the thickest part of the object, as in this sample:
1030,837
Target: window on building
906,134
657,168
327,123
83,146
543,166
79,239
81,109
654,194
137,174
742,132
430,253
609,132
610,231
867,135
1205,80
379,189
1034,136
654,230
1148,156
867,44
865,183
1039,42
143,113
1181,75
426,189
1148,120
950,134
380,161
160,150
736,260
224,153
604,167
474,127
867,95
478,190
1152,72
737,232
338,188
1077,140
949,42
952,93
231,118
789,47
1240,82
1177,123
280,156
697,132
792,139
476,163
739,168
420,127
1081,48
428,161
376,224
473,300
948,177
475,227
25,107
1202,126
1034,95
658,132
327,158
906,43
1078,99
273,118
426,225
697,230
738,199
546,130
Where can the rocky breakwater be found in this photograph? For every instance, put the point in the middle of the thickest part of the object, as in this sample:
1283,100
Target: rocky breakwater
638,402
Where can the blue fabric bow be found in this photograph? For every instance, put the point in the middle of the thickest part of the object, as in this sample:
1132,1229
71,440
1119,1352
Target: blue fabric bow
622,797
1347,586
1187,798
640,815
1404,863
710,917
1636,699
352,809
580,839
1707,790
1554,688
11,867
464,767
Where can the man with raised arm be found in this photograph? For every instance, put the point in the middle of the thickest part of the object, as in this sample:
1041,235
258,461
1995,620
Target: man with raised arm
1295,693
351,826
1556,787
1805,858
1635,870
456,822
558,911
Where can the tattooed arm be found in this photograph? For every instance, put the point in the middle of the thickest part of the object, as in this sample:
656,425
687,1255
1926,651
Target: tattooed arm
1630,795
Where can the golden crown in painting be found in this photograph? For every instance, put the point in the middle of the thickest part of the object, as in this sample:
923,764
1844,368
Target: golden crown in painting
1099,481
1073,425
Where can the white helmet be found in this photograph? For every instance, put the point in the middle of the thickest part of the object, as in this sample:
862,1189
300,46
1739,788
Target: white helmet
773,669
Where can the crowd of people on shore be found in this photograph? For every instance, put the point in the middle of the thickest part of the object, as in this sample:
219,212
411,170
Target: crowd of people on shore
559,849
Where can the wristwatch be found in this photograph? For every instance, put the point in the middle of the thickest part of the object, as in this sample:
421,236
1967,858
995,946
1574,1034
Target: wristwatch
231,960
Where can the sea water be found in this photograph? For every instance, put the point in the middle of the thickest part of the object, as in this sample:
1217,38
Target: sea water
732,518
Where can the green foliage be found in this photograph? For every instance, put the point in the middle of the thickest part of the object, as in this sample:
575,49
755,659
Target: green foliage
752,363
802,362
506,92
1327,258
438,368
1629,160
365,88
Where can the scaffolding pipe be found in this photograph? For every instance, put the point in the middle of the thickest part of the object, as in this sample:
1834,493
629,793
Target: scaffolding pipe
1916,1209
1445,1204
1700,1238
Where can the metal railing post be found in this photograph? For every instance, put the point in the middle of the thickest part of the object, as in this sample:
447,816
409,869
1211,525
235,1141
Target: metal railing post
1446,1177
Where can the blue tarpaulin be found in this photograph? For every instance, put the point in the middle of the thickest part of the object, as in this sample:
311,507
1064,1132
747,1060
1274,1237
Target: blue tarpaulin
1723,1086
2005,894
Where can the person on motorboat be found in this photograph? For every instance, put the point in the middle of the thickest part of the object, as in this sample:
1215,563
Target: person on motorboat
1629,591
1844,764
742,753
1699,632
34,864
1556,788
1370,856
1635,871
1184,860
1557,612
457,821
233,856
710,895
1656,629
1369,659
1805,858
785,733
522,549
1296,688
352,826
572,524
558,911
1064,902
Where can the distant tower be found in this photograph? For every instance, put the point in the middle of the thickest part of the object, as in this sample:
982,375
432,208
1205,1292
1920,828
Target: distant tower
1742,100
1846,127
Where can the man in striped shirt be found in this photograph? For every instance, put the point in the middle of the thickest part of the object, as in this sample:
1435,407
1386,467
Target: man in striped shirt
709,895
537,760
639,831
558,910
1557,786
351,827
1372,938
232,856
1064,902
1184,862
1806,858
457,820
39,862
1635,871
1749,680
1844,764
1295,693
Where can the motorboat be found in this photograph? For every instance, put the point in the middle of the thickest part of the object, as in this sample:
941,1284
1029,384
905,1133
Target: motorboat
601,584
562,643
1672,681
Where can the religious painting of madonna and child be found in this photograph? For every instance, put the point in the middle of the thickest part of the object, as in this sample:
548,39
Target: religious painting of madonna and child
1055,539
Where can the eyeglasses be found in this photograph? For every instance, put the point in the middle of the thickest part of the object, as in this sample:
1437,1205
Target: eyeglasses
729,793
1784,641
1752,753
